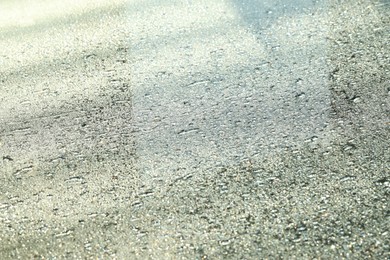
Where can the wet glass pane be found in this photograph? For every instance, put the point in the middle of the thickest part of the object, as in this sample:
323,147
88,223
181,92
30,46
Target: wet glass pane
182,129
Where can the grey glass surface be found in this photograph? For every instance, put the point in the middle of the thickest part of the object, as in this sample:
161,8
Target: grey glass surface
182,129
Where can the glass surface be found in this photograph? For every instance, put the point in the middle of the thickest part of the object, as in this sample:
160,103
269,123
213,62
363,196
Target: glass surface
194,129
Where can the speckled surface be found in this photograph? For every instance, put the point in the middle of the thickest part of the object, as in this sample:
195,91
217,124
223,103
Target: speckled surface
194,129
